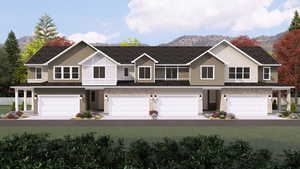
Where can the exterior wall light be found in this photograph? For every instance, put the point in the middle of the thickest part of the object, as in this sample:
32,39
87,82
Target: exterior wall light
225,97
105,97
35,96
155,97
200,96
81,97
270,97
151,97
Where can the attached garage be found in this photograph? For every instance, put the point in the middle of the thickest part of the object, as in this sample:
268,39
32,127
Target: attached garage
169,106
58,105
128,105
248,106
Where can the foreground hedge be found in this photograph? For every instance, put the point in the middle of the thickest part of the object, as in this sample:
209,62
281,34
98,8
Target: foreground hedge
89,152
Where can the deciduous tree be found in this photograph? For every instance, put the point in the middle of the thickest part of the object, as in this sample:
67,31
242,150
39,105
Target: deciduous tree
59,41
131,42
287,52
244,41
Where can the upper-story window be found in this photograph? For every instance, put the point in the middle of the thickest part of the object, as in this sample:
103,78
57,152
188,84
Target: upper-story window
207,72
99,72
38,73
239,72
125,71
144,72
171,72
66,72
267,73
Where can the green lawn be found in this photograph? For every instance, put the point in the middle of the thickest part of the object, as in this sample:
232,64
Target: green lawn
274,138
4,109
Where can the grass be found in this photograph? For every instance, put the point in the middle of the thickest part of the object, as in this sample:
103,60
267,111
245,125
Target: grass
4,109
274,138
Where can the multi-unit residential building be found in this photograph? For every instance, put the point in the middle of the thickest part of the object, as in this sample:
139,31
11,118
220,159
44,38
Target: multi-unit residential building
129,82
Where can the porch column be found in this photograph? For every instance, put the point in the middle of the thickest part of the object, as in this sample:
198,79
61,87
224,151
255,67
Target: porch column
16,99
288,99
279,100
25,100
32,99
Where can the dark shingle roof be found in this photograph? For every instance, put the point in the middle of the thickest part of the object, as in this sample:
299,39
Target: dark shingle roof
163,54
259,54
45,54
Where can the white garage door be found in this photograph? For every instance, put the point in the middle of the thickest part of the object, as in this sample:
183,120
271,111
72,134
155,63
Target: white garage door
248,106
129,105
178,106
68,105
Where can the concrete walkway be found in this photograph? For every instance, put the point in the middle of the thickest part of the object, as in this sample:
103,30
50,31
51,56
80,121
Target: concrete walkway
48,118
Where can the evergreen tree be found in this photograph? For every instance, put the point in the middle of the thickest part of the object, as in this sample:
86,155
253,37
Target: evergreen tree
295,22
45,29
12,49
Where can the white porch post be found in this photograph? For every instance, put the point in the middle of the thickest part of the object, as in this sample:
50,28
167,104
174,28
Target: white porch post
25,100
288,99
32,100
16,99
279,100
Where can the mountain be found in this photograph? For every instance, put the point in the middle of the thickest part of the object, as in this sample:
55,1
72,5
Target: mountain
193,40
22,41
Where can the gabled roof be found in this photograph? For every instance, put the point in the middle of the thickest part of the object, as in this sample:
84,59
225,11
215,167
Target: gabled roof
161,54
146,55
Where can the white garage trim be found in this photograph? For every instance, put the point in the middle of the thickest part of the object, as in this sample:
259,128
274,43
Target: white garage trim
59,110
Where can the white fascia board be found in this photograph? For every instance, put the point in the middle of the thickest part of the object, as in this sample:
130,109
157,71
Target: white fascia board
33,65
236,48
271,65
204,54
97,50
144,54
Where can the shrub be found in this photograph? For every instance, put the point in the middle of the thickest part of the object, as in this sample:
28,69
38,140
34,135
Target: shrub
294,116
87,114
274,105
285,114
215,115
79,115
19,113
12,115
293,108
13,107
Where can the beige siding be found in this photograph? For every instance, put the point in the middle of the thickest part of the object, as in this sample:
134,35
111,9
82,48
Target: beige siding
234,58
184,73
70,58
145,61
31,75
60,91
274,75
207,60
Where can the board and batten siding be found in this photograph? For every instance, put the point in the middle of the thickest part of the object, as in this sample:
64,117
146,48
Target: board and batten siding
99,60
234,58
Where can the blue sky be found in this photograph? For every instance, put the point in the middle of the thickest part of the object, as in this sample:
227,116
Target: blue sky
153,22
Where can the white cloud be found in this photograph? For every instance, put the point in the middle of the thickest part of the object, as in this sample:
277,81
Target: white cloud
237,15
92,37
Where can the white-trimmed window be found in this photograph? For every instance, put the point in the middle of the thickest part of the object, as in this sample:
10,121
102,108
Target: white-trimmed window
267,73
207,72
38,73
239,72
66,73
99,72
144,72
171,72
